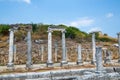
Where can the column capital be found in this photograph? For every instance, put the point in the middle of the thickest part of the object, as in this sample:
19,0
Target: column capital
28,28
11,29
49,31
92,32
118,33
63,31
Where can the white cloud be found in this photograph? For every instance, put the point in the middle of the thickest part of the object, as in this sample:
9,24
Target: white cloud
94,29
109,15
82,22
27,1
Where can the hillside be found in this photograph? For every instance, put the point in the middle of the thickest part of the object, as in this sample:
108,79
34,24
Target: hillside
74,36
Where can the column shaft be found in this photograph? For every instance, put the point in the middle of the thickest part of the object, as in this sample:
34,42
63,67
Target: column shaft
79,61
98,55
119,47
49,61
93,47
11,48
64,56
29,50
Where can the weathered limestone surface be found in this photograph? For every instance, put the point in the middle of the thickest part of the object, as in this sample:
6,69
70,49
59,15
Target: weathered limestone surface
99,65
49,61
88,74
64,55
11,49
29,51
119,46
79,61
93,47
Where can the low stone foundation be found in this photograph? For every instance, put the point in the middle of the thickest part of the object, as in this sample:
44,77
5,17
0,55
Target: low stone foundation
77,74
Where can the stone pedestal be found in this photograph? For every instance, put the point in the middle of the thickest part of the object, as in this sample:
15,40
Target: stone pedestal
79,61
99,65
108,57
10,64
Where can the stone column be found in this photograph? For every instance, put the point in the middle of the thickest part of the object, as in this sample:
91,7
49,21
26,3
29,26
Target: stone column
98,55
56,49
104,50
79,61
64,56
42,51
14,53
93,48
29,50
11,49
119,46
87,54
108,56
49,61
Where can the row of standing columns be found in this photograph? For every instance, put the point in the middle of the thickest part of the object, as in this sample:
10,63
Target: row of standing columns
49,61
11,49
64,55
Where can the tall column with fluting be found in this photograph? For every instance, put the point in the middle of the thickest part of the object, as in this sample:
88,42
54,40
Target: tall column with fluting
64,56
11,49
49,61
93,47
79,61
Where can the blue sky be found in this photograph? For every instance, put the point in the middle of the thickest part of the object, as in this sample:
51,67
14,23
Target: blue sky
87,15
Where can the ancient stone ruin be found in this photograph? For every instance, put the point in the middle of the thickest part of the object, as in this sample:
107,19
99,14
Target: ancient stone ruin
96,72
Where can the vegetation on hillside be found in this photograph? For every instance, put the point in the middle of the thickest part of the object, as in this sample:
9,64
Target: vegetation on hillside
39,31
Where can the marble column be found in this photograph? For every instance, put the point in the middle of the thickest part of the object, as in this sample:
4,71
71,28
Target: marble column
49,61
29,50
93,48
104,50
11,49
79,61
42,52
56,49
108,56
87,54
14,53
119,47
64,56
98,55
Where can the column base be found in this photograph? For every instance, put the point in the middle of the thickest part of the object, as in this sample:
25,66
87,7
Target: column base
79,62
93,62
49,64
10,66
28,65
63,63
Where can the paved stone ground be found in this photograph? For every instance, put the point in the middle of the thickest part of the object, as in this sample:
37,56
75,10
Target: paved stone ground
70,65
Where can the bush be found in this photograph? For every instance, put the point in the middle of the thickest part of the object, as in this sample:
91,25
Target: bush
4,29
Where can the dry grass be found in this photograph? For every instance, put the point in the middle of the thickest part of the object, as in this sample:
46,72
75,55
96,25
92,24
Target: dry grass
3,44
